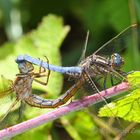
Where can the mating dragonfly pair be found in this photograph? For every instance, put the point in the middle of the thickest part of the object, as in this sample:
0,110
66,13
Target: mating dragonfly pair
90,70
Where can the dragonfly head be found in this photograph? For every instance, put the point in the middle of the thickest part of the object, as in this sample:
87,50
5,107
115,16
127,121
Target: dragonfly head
25,67
116,61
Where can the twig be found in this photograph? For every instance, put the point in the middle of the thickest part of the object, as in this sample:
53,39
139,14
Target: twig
72,107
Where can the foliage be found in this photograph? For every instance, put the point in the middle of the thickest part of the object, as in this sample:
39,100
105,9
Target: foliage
104,19
127,108
45,40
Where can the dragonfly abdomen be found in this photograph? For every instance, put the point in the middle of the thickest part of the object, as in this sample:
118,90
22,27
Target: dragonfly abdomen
40,102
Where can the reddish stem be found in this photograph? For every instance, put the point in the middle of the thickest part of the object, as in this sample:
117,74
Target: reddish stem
52,115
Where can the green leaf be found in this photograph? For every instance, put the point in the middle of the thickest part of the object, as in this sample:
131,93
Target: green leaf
45,40
127,108
80,126
134,79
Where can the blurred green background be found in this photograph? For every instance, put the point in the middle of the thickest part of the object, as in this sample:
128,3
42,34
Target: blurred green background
22,28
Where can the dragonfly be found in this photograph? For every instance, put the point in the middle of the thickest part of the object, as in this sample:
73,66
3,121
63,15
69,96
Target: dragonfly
98,69
91,67
107,48
74,70
22,87
100,64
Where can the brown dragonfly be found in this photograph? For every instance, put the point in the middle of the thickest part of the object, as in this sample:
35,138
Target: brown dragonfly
93,66
99,65
100,70
22,87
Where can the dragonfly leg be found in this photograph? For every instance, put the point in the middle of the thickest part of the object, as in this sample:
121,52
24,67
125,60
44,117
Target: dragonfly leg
111,79
21,111
90,82
126,73
104,83
93,85
40,74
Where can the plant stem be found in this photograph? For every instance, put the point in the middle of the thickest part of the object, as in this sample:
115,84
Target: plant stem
58,112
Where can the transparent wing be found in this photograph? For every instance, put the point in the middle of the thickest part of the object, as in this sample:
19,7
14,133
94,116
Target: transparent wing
121,42
127,45
7,101
126,41
5,86
105,82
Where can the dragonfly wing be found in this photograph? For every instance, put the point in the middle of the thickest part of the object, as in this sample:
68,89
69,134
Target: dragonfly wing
120,42
10,108
5,86
7,99
6,92
119,46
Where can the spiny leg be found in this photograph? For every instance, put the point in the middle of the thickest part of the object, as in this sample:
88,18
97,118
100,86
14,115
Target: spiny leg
93,85
86,77
116,78
104,83
111,79
39,75
103,98
21,110
48,74
125,73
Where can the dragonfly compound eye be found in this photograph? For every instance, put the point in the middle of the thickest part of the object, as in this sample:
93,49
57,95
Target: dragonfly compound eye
116,61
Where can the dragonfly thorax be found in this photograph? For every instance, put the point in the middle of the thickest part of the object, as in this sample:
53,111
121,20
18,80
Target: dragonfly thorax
116,61
95,65
23,86
86,63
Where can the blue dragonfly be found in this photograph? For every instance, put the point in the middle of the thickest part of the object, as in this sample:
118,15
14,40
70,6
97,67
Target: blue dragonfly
100,64
96,69
91,69
64,70
22,89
